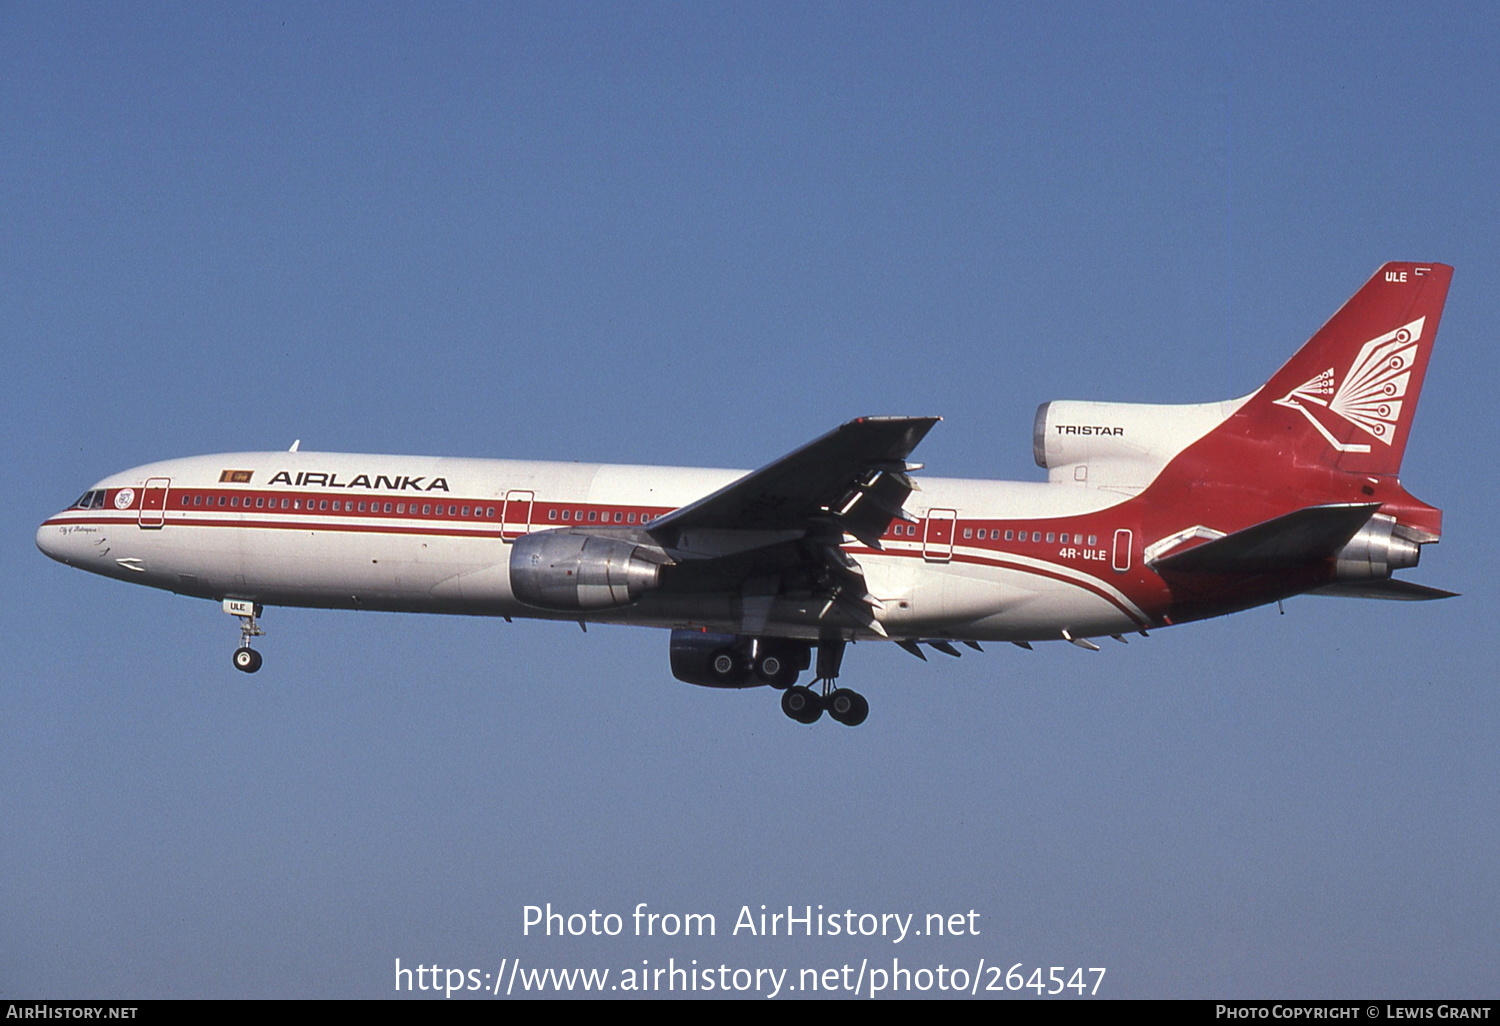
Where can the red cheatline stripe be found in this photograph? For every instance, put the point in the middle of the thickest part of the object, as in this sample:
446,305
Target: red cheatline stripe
1005,564
356,527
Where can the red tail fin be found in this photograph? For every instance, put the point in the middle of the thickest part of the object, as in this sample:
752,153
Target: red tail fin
1348,397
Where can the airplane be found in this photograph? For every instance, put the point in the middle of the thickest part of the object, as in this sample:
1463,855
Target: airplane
1151,516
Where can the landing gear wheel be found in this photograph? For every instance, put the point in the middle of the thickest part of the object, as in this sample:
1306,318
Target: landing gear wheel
729,667
245,658
776,671
802,704
848,707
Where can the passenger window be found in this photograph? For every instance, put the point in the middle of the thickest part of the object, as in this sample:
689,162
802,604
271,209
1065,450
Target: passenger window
630,518
552,514
567,513
1036,536
1093,539
1009,535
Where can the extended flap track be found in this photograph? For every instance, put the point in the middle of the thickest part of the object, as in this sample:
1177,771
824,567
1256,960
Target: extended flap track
876,498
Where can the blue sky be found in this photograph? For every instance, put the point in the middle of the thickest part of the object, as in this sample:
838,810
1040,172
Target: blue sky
702,235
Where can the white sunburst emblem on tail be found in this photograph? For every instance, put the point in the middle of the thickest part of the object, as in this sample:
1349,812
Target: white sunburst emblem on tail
1372,393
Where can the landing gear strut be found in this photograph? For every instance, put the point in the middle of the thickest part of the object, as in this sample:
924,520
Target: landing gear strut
245,658
806,704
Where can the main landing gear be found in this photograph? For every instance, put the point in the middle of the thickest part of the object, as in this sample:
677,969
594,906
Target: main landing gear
245,658
805,705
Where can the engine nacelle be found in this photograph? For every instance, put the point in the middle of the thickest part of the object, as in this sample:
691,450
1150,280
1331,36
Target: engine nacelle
735,661
1378,548
565,571
1117,445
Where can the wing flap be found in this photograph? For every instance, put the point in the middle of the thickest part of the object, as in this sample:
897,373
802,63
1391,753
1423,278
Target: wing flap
789,518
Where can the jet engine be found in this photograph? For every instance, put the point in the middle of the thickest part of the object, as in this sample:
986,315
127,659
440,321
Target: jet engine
1117,445
1378,548
566,571
734,661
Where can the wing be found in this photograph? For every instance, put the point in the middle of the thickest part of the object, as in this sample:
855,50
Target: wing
854,477
782,527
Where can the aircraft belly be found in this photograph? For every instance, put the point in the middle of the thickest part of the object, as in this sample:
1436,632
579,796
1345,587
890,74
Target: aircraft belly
321,568
1053,604
1000,603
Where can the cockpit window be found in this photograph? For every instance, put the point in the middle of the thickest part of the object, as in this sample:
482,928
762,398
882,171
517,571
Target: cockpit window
92,499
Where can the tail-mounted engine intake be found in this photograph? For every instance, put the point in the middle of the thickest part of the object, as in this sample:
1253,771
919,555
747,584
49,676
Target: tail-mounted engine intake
566,571
1117,445
1378,548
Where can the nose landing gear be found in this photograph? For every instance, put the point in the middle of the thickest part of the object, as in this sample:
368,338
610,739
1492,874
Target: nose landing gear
245,658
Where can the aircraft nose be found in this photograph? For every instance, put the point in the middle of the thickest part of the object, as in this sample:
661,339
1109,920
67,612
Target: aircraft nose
53,540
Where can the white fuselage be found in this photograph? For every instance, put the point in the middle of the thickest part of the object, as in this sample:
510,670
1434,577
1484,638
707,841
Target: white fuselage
427,534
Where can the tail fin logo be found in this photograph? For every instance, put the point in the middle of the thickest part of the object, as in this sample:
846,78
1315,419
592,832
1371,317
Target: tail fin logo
1371,394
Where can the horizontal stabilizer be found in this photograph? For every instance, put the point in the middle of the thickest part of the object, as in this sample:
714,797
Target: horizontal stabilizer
1388,588
1293,539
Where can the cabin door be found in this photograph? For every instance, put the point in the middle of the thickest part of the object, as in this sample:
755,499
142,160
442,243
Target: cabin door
515,519
153,511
